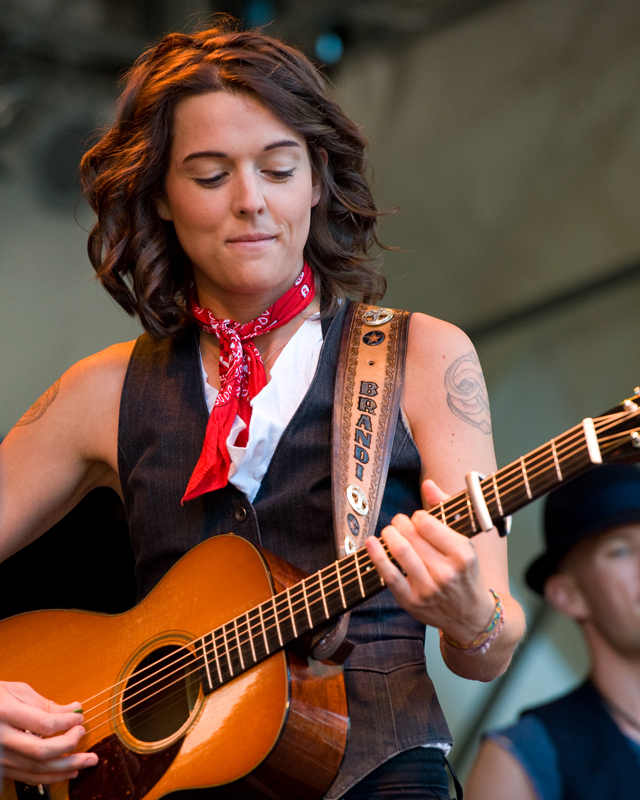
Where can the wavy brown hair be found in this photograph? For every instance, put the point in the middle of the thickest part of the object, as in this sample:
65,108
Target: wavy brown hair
137,256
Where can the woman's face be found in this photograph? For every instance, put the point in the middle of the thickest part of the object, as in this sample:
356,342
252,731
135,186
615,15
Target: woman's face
239,190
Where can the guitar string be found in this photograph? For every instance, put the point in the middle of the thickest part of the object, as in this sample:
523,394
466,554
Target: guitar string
248,626
516,470
240,641
178,693
539,456
299,601
532,460
512,471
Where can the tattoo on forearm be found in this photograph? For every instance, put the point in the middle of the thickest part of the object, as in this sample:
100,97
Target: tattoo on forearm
40,406
467,393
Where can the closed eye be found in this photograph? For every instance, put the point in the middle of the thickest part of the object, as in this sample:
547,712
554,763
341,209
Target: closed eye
280,175
214,180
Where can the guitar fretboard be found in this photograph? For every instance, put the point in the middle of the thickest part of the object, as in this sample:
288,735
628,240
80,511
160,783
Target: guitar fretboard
238,645
250,638
514,486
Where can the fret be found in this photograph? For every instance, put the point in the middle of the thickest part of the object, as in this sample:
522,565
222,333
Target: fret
264,632
226,650
299,602
344,602
357,561
205,661
276,618
312,587
454,520
306,603
471,515
443,516
351,585
284,616
332,590
371,577
235,627
250,631
293,621
215,654
497,494
526,479
245,643
555,460
324,598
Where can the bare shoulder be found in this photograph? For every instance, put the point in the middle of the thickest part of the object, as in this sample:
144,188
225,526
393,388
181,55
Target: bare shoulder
62,447
85,400
437,348
105,370
446,401
498,775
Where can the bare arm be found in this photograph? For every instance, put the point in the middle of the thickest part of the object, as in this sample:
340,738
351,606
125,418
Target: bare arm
61,448
447,575
498,775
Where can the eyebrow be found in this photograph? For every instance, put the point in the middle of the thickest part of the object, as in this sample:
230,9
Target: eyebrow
219,154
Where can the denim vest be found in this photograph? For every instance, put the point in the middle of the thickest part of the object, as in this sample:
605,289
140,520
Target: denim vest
163,417
595,759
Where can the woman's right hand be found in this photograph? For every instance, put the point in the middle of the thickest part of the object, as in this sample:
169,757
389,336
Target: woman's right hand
38,737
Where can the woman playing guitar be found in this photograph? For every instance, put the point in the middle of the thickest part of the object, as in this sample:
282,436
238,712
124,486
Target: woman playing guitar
232,188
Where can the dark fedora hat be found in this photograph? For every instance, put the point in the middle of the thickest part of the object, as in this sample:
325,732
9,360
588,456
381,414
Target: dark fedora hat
603,498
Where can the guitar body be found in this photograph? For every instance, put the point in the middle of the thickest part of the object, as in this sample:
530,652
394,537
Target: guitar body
277,730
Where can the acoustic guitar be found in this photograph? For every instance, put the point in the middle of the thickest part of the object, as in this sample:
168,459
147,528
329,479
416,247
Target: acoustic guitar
205,684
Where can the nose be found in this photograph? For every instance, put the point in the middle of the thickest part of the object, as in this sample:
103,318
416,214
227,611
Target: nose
248,200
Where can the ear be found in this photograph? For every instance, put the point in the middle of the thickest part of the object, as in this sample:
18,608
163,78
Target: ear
162,207
562,592
316,182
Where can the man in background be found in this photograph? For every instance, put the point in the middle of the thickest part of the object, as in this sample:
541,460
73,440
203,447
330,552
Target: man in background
586,744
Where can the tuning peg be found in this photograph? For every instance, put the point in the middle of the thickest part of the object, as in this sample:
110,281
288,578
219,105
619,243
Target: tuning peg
635,439
629,405
636,390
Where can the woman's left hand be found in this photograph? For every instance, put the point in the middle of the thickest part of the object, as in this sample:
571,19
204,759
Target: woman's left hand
442,584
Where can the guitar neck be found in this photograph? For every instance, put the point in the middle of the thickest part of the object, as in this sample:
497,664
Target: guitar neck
239,644
527,479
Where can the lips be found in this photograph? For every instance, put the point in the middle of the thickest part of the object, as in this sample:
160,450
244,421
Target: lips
251,237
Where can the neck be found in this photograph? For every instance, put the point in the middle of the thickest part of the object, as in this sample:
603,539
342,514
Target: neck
244,307
617,678
270,344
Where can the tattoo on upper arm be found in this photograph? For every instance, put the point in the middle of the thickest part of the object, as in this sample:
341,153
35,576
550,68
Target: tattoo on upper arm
40,406
467,393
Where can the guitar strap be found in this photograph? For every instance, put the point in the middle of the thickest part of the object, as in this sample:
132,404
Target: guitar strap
366,404
365,407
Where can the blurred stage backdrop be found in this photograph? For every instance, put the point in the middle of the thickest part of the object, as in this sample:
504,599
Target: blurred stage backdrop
508,136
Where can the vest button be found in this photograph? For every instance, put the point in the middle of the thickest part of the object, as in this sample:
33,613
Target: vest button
241,513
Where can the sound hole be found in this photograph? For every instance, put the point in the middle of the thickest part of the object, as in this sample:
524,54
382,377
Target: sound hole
160,694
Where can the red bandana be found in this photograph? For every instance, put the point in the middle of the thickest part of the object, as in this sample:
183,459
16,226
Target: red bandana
242,376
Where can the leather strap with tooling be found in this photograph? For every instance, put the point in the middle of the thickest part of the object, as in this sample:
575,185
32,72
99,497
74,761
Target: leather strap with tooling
365,407
366,404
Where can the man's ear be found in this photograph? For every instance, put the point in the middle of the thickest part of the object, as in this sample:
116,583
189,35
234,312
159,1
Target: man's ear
316,181
162,207
562,592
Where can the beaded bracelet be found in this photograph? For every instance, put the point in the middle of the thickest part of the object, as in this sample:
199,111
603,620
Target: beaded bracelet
483,641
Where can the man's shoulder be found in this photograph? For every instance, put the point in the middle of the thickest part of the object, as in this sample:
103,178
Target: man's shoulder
530,744
580,697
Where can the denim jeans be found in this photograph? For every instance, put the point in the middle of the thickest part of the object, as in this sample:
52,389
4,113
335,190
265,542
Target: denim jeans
417,774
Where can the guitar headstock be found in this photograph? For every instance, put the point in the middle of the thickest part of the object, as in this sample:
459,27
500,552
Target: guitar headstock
618,431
